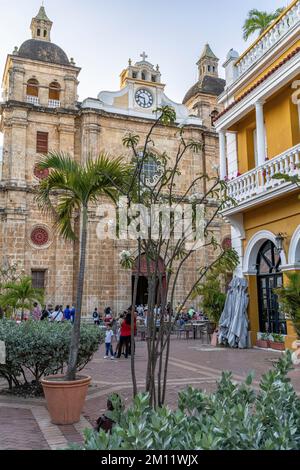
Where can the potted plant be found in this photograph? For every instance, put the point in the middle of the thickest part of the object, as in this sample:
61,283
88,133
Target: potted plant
277,342
289,300
263,340
66,192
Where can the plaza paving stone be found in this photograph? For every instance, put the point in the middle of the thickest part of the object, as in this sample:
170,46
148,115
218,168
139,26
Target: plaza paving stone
25,424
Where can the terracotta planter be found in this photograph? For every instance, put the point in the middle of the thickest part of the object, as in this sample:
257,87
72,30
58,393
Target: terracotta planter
263,343
65,400
277,346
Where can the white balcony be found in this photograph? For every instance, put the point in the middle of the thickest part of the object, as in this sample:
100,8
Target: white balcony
54,104
32,100
258,184
273,35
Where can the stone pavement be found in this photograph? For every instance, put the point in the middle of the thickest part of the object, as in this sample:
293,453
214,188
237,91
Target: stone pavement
25,424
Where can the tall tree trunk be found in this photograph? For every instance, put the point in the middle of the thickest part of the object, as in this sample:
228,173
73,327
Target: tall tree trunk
132,357
75,338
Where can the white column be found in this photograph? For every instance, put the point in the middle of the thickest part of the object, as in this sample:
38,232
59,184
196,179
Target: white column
260,132
223,165
232,153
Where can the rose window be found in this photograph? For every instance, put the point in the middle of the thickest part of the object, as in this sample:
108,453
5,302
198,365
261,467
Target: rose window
39,236
40,173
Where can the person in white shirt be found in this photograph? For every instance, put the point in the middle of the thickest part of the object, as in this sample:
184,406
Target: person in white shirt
57,315
108,342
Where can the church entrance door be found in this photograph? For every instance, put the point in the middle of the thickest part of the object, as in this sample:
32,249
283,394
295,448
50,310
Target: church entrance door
143,284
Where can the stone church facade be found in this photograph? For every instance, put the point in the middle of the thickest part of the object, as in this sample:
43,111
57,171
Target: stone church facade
40,112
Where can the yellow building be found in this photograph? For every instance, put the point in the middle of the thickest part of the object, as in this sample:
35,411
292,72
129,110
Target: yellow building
259,133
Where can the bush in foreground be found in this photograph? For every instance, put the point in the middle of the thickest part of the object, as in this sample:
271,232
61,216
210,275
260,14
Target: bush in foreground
235,417
36,349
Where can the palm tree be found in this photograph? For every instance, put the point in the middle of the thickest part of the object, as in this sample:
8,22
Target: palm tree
20,295
70,188
259,21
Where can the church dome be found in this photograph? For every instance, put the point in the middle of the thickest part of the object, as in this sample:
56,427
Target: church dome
207,85
44,51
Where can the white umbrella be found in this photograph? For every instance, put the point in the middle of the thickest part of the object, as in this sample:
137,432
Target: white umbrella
234,320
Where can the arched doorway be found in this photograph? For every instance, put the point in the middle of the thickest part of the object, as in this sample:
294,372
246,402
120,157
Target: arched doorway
269,277
142,291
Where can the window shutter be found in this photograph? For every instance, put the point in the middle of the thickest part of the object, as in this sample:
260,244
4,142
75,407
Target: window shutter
42,142
38,279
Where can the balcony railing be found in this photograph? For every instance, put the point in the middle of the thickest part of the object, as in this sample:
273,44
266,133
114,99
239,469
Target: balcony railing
259,181
54,104
32,100
271,37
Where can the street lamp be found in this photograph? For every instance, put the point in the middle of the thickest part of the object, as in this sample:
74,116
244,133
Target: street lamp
279,239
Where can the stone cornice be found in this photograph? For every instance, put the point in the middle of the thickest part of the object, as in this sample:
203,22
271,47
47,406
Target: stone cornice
125,117
40,109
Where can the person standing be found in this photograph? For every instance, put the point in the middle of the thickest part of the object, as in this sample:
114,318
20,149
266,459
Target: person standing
57,316
67,313
96,317
108,342
36,312
72,313
125,335
45,313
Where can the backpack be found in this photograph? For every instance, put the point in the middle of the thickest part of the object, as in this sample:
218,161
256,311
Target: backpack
104,423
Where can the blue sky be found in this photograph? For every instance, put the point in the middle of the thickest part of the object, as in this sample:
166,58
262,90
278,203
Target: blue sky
102,34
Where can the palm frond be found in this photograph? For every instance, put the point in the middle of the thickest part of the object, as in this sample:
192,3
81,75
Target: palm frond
259,21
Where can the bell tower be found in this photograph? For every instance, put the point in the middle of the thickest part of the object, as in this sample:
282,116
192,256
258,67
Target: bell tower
41,26
208,63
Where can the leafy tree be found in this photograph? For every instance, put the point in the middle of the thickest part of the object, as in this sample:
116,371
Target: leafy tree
259,21
20,295
213,297
156,247
289,298
8,273
69,190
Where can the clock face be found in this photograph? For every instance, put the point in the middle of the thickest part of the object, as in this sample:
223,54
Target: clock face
144,98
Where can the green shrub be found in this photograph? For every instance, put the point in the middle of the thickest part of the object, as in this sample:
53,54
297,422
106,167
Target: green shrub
289,299
35,349
277,338
235,417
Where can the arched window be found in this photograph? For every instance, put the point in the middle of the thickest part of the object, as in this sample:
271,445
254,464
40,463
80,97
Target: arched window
213,116
32,91
151,169
269,278
45,33
54,95
143,75
268,260
38,32
32,87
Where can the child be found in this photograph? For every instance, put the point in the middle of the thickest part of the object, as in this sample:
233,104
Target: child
108,342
